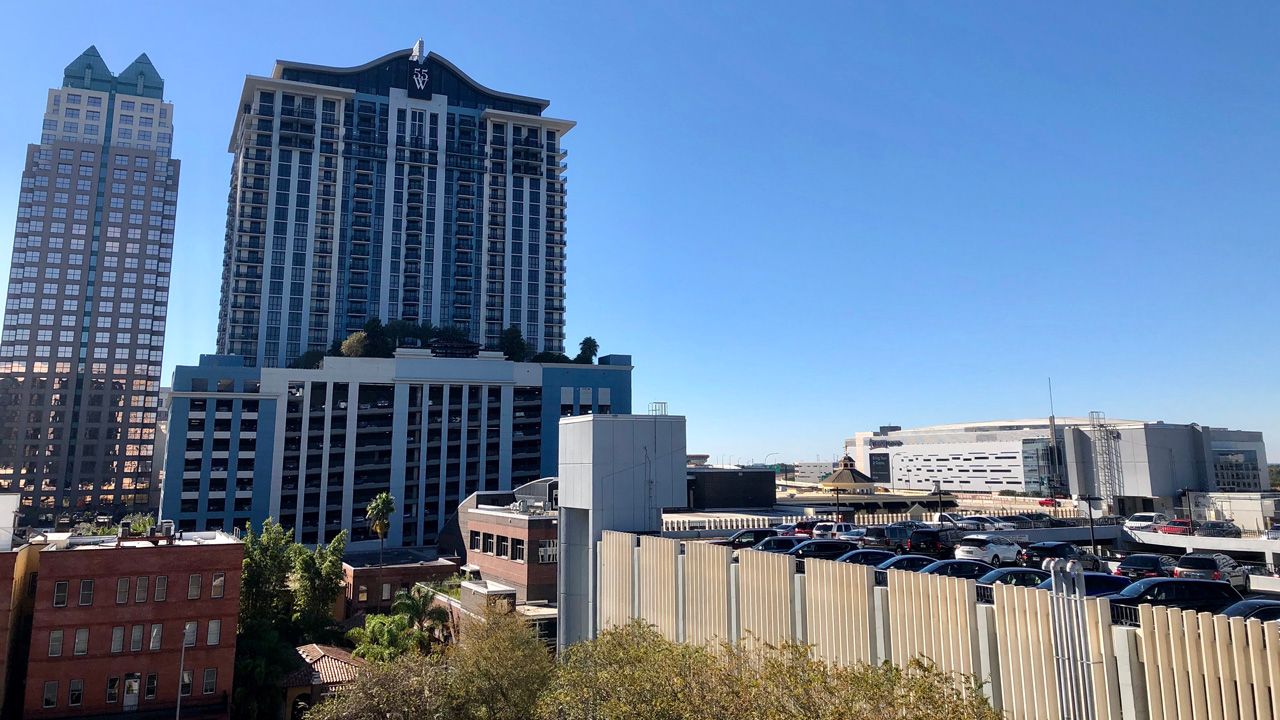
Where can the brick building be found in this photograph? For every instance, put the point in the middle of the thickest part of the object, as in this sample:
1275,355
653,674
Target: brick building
510,538
114,618
371,587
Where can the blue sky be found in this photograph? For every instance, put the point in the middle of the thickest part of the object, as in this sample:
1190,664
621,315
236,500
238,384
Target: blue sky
805,220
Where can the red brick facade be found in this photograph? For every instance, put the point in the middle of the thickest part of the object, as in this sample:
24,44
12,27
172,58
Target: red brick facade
511,548
109,623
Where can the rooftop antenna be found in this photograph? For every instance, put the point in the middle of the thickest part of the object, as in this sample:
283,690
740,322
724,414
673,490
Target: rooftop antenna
1054,479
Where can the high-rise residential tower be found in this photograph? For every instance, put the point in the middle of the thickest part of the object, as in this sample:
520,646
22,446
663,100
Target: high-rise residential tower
88,290
400,190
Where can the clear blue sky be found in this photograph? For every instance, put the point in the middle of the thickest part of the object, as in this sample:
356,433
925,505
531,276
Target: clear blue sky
805,221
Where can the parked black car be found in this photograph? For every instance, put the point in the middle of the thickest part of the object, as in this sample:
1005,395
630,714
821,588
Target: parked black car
746,538
1145,565
910,563
821,550
1218,528
1096,583
866,557
1200,595
1024,577
1264,610
888,537
779,543
1047,520
969,569
934,543
1035,554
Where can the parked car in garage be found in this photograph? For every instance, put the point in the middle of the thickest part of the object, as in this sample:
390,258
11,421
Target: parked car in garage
1035,554
819,550
1048,520
1048,502
995,550
986,522
866,557
1264,610
779,543
1019,522
887,537
746,538
1177,526
954,520
968,569
1145,565
1145,521
1023,577
832,529
805,527
1212,566
910,563
940,544
1096,583
1199,595
1218,528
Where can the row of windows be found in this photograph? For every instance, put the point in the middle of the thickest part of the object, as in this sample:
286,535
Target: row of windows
217,587
512,548
132,687
138,636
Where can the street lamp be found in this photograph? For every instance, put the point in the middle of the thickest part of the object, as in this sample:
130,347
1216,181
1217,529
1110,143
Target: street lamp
1088,503
937,490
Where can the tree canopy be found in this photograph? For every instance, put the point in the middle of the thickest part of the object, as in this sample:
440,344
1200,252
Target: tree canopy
512,344
587,351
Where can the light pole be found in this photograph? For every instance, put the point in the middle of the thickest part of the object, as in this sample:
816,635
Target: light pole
1088,503
937,490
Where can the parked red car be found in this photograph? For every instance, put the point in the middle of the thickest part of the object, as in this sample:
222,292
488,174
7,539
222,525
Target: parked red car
804,528
1048,502
1177,526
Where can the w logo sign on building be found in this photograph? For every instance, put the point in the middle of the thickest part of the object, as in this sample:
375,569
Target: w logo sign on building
420,78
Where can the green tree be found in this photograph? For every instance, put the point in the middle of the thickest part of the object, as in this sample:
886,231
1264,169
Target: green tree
587,350
431,620
451,332
264,635
385,638
356,344
634,672
500,665
550,357
407,687
308,360
317,582
264,589
512,344
377,516
139,523
398,331
379,343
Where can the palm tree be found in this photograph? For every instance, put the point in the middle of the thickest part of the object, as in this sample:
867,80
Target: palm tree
429,619
378,517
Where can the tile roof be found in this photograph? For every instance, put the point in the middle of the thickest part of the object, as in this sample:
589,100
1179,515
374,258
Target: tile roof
325,665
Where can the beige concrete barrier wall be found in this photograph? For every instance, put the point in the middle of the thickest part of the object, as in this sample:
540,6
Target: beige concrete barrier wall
1025,646
656,584
708,610
1209,666
616,579
934,617
767,597
838,611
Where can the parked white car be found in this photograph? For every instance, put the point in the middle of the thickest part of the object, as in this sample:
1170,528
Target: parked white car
986,522
832,529
1145,521
992,549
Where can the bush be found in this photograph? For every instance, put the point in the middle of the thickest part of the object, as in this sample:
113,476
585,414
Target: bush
633,672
